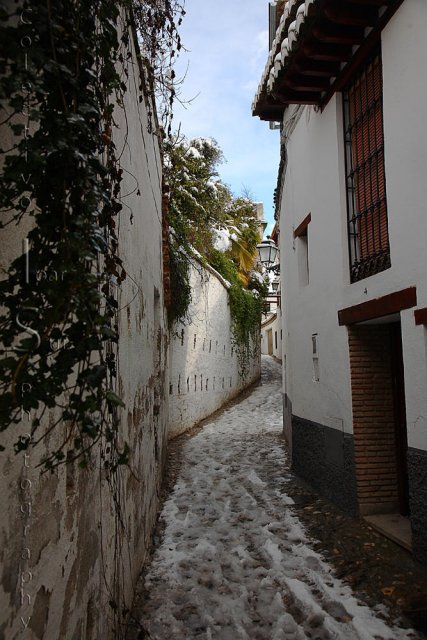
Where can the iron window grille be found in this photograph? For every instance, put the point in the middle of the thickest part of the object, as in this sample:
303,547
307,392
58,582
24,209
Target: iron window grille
369,248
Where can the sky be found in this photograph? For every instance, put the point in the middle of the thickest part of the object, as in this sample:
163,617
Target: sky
227,48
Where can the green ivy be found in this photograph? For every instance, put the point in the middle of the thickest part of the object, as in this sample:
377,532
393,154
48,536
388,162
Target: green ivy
180,284
246,308
59,322
200,204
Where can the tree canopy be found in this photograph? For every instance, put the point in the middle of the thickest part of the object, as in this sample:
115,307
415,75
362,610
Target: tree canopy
204,213
208,221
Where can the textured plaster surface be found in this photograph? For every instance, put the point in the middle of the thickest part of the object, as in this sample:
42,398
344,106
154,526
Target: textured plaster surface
204,364
64,551
273,324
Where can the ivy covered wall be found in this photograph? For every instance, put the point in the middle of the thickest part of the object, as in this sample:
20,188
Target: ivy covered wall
208,366
73,540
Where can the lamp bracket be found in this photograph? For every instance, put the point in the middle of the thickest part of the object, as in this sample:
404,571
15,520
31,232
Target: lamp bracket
275,268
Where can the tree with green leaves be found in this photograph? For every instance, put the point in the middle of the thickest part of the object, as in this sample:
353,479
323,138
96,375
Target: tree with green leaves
208,222
204,213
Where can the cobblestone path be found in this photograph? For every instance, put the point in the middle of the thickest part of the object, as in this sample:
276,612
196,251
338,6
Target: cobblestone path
234,561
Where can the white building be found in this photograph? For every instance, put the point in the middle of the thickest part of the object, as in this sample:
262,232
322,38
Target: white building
271,330
346,79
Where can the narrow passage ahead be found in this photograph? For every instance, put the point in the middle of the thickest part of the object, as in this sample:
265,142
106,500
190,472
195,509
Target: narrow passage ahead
235,561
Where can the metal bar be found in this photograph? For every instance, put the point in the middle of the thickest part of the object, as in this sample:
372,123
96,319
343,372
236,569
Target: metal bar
363,235
369,155
351,205
348,186
366,206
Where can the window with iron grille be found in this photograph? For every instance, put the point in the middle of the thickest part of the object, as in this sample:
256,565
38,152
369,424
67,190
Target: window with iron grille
366,185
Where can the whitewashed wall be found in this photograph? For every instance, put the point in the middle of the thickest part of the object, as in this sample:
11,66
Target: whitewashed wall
204,368
315,183
273,324
61,550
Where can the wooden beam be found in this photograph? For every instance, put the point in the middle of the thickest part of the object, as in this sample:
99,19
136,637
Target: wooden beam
326,52
338,34
320,68
306,83
421,316
301,229
270,114
268,109
372,3
364,50
324,61
287,96
355,16
379,307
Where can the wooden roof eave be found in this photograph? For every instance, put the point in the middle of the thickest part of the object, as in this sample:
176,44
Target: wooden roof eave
370,41
268,108
333,41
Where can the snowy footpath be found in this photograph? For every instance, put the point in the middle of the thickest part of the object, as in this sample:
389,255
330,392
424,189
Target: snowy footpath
235,562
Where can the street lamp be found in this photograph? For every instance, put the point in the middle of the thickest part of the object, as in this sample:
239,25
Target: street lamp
267,251
275,285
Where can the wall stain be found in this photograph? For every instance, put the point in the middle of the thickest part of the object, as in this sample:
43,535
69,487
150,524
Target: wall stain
40,613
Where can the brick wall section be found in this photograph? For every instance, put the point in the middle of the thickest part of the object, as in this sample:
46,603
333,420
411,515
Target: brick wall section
165,246
373,418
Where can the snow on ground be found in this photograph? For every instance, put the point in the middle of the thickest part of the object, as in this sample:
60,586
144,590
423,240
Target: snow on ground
235,562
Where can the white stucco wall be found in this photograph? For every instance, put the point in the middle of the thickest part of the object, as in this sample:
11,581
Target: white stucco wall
312,186
273,324
204,367
404,53
315,183
65,560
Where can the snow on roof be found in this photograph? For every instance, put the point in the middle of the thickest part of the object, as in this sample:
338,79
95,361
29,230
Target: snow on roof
285,41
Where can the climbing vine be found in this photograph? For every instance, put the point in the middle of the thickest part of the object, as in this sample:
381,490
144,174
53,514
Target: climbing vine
205,215
64,69
246,307
180,284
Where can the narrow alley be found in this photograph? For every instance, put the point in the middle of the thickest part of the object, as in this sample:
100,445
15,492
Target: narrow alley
234,560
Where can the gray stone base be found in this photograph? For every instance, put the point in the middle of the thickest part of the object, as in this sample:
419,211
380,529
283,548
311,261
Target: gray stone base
417,475
324,457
